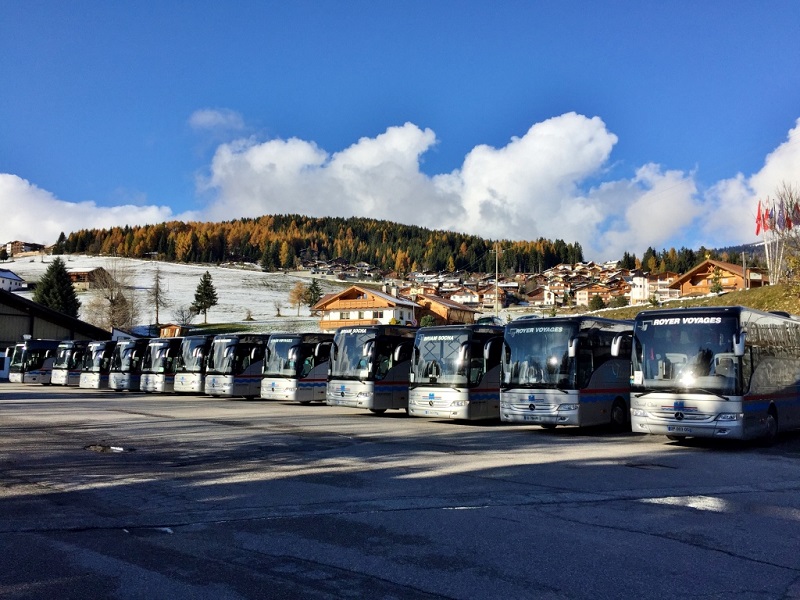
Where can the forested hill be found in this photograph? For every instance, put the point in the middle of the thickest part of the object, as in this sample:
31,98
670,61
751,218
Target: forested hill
277,241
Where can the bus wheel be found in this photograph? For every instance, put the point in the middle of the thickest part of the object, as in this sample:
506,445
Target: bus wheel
771,422
619,416
377,411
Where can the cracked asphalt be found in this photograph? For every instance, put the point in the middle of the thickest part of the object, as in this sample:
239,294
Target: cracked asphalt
125,495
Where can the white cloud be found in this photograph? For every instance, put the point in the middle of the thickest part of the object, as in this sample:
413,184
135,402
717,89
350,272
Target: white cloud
534,186
216,119
32,214
730,205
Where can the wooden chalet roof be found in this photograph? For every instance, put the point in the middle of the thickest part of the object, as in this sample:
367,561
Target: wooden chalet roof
357,297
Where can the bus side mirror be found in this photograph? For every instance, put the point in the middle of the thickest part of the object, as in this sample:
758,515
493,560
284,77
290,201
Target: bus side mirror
572,347
616,343
738,343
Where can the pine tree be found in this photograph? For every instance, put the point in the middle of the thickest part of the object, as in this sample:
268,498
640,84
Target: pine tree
313,293
205,296
55,290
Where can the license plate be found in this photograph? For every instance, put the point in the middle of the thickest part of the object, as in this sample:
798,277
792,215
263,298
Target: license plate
679,429
530,418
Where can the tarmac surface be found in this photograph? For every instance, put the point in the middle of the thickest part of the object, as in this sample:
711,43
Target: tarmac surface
127,495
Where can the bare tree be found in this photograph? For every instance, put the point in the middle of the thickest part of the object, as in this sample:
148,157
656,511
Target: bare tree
113,304
782,235
183,314
157,293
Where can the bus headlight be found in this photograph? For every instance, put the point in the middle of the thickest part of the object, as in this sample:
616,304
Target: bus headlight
363,395
458,403
637,412
567,407
729,416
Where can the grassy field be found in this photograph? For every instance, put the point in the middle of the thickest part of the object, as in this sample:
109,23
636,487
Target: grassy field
778,297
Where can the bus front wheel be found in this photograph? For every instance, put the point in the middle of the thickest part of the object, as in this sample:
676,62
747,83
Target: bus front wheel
619,416
377,411
771,423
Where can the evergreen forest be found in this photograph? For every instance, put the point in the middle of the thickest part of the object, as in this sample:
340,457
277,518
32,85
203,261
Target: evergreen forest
282,241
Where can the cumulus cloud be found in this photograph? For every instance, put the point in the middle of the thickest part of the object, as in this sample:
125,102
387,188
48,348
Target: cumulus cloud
729,207
533,186
32,214
216,119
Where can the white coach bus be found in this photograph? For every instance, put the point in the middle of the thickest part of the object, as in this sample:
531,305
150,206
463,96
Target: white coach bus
455,372
369,367
235,365
68,362
567,371
296,367
716,372
190,373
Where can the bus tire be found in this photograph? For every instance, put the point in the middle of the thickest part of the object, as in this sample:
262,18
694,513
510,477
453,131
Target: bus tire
619,416
377,411
771,422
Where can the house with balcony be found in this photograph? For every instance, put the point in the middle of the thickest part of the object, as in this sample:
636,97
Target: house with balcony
700,280
445,311
363,306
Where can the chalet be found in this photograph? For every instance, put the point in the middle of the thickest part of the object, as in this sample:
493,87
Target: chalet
445,311
585,293
171,330
701,279
10,281
365,306
466,297
83,279
16,248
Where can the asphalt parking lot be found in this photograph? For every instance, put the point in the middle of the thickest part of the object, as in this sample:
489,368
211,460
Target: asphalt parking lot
125,495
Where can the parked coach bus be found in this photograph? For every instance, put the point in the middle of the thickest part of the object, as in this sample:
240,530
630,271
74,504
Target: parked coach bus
32,361
190,374
455,372
721,372
126,364
159,364
235,365
567,371
68,362
369,367
296,367
97,365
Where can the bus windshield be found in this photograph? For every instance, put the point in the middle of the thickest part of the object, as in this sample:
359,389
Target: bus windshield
192,356
18,357
443,358
155,357
64,357
220,359
679,353
121,359
93,359
351,358
283,357
538,356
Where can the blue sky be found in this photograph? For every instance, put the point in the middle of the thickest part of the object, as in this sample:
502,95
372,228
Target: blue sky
618,125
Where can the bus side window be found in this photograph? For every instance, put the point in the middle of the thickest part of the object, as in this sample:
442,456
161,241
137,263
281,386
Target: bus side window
585,368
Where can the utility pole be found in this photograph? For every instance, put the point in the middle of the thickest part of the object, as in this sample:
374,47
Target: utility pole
496,252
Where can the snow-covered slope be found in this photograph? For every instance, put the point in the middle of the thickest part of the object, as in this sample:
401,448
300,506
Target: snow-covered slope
239,289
